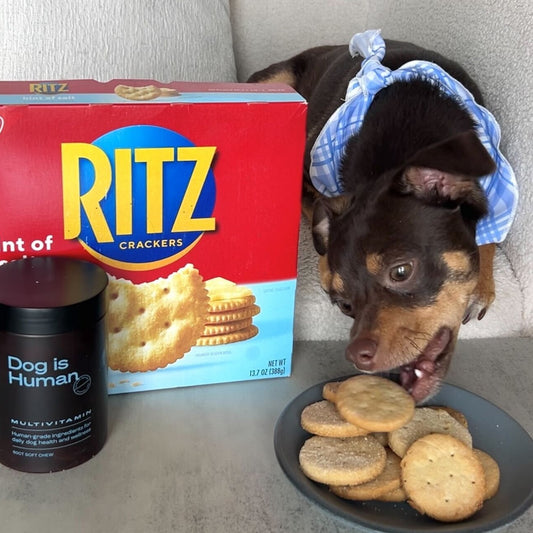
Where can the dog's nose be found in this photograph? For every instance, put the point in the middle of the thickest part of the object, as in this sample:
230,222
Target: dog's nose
361,352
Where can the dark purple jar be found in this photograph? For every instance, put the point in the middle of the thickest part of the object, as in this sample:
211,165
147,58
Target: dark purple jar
53,366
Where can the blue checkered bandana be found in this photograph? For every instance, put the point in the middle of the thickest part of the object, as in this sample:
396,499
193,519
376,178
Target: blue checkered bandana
326,155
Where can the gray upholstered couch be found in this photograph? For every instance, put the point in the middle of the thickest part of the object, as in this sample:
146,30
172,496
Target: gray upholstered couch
226,40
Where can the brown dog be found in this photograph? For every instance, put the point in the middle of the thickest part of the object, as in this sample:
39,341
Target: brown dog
397,248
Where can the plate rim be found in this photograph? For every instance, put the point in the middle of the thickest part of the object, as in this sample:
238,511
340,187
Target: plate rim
315,494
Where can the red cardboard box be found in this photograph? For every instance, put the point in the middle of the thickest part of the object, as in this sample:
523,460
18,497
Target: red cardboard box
202,180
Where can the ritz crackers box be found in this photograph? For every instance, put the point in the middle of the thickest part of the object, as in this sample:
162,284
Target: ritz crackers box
165,190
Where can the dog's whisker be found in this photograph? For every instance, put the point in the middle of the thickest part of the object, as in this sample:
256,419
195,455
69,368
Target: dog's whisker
413,343
423,337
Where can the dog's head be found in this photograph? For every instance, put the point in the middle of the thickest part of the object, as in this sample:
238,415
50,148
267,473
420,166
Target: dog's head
399,256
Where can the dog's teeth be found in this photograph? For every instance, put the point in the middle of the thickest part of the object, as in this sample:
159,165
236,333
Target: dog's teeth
418,373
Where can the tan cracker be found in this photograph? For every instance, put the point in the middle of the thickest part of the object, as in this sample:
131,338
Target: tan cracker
322,418
460,417
225,295
224,289
426,421
153,324
228,338
168,91
231,316
492,473
443,478
217,306
329,391
349,461
396,495
374,403
226,327
147,92
385,482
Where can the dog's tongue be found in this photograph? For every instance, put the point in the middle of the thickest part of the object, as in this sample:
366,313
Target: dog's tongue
419,378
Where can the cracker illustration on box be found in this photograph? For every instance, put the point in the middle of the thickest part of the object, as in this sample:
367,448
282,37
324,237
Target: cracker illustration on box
153,324
147,92
231,308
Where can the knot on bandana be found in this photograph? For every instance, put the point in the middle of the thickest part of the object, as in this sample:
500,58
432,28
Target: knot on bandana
327,152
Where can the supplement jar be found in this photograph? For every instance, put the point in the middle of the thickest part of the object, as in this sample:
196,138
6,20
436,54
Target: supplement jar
53,367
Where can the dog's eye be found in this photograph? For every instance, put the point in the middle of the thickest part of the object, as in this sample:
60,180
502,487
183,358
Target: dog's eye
400,273
345,306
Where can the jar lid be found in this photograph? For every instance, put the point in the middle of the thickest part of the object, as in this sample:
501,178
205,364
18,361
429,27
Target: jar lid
50,295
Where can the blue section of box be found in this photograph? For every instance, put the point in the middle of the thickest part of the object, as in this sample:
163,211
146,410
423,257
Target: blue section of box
183,98
267,355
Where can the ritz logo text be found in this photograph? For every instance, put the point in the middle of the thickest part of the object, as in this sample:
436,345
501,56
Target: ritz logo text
138,197
48,88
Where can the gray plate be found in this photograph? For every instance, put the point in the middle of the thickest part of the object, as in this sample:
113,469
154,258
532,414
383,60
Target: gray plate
493,431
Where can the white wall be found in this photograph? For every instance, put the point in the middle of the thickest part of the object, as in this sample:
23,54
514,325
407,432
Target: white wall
165,40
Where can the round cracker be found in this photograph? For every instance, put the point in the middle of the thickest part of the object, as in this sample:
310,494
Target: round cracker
329,390
374,403
228,338
232,316
222,289
322,418
381,437
385,482
230,304
443,478
492,473
226,327
460,417
425,421
153,324
396,495
349,461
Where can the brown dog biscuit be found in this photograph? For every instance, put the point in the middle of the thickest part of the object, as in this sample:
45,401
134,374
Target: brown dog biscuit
492,473
382,437
443,478
153,324
228,338
397,495
425,421
385,482
374,403
349,461
322,418
460,417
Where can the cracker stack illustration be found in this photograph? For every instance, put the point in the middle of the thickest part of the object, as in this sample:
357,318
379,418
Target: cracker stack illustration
231,311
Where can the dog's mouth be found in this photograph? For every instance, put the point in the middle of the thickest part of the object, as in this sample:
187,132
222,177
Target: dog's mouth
422,377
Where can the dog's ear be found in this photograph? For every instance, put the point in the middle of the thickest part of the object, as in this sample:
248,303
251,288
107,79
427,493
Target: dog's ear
325,210
447,173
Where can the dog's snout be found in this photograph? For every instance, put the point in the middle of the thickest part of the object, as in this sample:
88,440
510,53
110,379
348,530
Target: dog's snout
362,352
